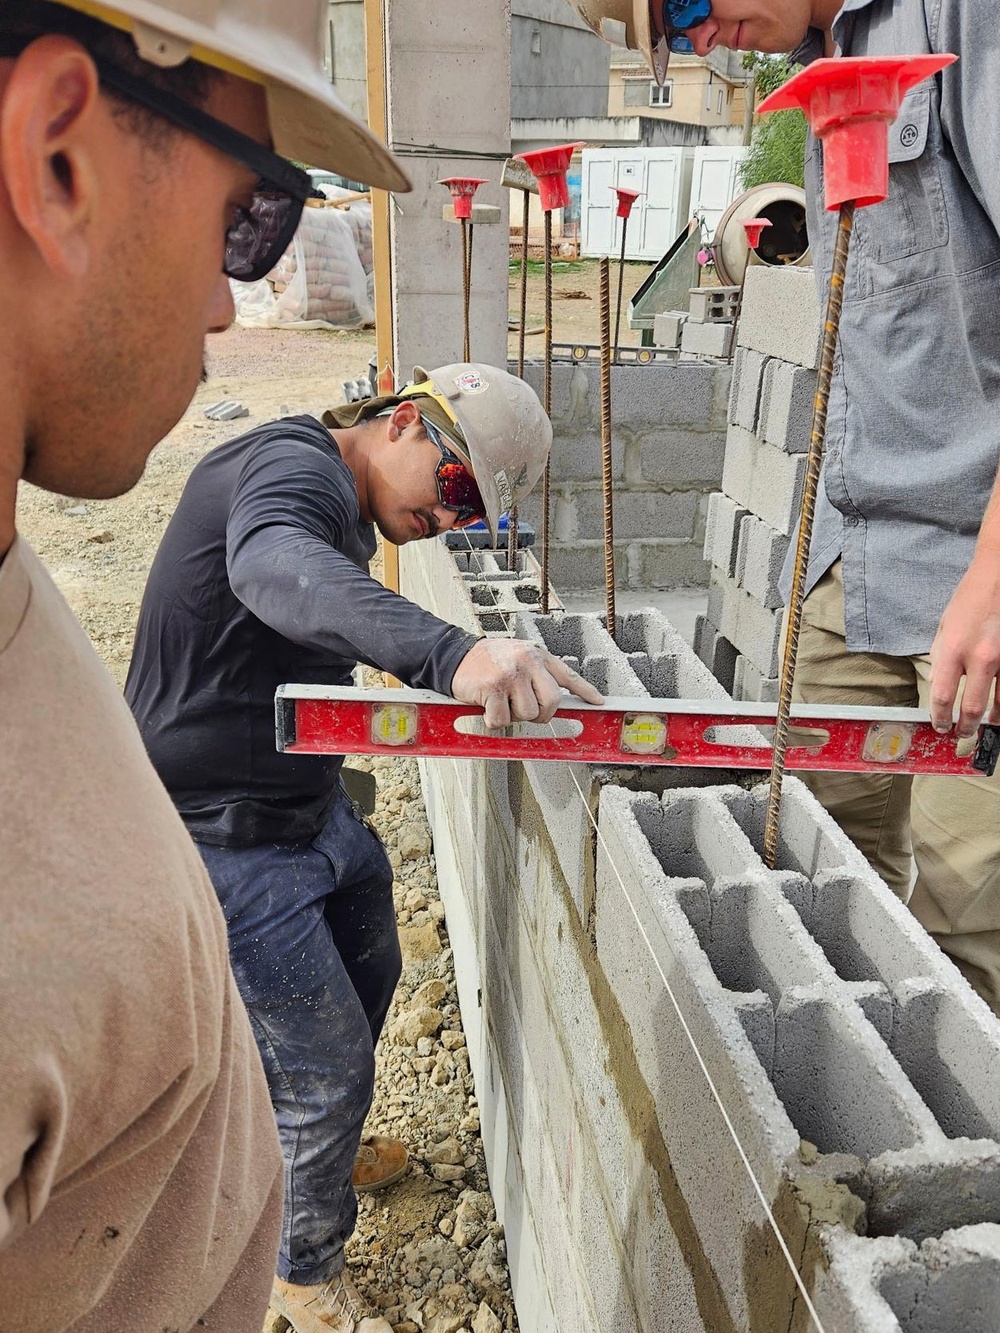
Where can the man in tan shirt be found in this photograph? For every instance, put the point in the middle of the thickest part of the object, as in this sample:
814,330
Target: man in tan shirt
140,1178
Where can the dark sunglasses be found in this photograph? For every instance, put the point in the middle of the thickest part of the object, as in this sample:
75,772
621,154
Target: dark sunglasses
456,486
678,16
259,234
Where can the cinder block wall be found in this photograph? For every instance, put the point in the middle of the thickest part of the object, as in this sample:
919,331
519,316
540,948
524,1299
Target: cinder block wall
856,1066
752,519
669,424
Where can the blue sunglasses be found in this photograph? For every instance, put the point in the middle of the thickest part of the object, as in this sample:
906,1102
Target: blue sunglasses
677,17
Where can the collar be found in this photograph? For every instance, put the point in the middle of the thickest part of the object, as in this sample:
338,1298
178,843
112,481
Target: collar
813,46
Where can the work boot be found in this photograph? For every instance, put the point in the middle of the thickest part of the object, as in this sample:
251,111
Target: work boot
380,1161
334,1307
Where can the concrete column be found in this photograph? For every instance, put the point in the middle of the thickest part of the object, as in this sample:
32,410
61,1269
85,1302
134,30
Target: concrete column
449,100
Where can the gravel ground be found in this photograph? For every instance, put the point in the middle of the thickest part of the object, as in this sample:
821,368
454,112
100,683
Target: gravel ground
428,1251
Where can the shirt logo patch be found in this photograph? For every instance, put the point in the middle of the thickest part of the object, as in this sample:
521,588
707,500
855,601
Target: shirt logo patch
471,382
908,135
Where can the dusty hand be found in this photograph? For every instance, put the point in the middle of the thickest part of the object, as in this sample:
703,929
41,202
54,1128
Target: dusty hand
516,681
968,644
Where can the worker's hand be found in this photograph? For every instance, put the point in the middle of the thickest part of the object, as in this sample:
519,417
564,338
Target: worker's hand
516,681
968,644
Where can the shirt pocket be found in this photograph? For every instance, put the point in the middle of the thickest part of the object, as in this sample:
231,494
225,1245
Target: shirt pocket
913,218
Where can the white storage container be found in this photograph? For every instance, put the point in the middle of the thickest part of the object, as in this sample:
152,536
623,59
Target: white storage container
715,183
663,175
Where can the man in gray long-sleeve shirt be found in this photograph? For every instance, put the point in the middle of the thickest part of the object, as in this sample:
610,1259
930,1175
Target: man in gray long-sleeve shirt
261,579
904,577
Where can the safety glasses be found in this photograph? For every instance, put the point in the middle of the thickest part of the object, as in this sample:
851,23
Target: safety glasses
456,486
259,234
677,17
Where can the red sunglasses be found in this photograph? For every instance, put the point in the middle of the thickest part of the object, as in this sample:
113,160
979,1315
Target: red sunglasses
456,486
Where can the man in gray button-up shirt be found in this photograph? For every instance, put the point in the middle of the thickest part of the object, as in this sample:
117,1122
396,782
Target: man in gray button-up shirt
904,582
904,579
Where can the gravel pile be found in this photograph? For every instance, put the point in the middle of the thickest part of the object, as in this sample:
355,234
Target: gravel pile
428,1252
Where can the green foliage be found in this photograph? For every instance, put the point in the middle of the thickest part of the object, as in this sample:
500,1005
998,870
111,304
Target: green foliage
777,149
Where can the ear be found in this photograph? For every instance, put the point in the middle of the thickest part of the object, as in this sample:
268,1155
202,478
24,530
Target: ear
404,415
48,149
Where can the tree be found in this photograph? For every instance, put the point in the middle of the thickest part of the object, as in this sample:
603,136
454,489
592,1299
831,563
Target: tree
777,148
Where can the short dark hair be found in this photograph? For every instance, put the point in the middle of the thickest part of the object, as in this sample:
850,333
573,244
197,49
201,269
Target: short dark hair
192,80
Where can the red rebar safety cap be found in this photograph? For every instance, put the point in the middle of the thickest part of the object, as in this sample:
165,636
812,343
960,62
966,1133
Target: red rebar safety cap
753,228
626,198
849,103
462,189
549,166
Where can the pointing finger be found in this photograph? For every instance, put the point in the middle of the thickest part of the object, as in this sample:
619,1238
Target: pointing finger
572,680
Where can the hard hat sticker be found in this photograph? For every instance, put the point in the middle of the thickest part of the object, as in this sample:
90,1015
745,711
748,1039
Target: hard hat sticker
503,489
472,382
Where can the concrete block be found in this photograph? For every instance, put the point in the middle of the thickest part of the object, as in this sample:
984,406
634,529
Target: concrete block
666,564
722,662
764,480
667,327
745,397
750,686
576,397
781,314
712,304
690,458
758,560
706,339
576,455
635,514
722,532
579,565
751,627
786,405
890,1285
672,395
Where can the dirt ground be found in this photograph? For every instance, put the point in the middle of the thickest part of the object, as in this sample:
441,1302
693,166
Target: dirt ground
575,303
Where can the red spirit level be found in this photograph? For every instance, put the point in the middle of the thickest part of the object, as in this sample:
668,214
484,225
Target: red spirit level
684,733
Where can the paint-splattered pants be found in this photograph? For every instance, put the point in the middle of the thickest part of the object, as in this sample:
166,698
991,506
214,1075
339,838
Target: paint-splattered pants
312,938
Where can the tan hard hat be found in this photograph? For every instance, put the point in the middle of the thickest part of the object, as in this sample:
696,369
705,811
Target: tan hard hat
272,42
497,424
626,23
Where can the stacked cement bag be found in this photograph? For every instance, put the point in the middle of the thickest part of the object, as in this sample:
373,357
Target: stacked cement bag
321,280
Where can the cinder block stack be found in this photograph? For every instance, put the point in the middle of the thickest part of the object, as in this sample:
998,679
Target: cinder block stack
876,1057
856,1066
752,520
668,439
708,329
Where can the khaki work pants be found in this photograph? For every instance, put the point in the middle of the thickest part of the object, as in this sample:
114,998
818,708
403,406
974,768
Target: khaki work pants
951,825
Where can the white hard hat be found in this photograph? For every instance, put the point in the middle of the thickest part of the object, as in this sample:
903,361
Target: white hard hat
271,42
496,422
626,23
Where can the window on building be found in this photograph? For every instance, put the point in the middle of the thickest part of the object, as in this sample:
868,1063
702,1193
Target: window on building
536,42
661,96
721,99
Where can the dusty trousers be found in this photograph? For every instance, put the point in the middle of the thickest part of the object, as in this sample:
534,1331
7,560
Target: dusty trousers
313,945
949,825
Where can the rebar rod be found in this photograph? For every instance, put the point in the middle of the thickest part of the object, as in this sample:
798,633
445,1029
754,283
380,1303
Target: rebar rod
524,283
512,517
466,284
814,463
547,405
621,275
606,484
